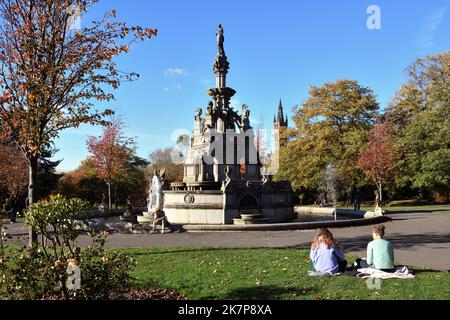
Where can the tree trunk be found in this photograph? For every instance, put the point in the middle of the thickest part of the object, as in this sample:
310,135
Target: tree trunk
380,188
115,196
109,196
32,183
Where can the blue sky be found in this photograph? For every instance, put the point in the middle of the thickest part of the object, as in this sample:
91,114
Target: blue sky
277,49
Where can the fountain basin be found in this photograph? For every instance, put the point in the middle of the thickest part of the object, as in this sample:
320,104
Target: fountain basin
313,225
114,224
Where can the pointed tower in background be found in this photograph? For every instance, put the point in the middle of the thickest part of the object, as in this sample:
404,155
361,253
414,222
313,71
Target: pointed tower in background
280,120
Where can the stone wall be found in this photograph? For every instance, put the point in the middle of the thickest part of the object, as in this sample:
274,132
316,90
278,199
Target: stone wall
203,207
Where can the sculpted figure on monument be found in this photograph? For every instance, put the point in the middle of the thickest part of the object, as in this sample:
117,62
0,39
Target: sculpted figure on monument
220,40
245,116
245,112
198,115
155,193
228,173
210,107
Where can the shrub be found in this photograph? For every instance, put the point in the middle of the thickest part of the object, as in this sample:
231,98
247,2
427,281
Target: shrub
104,274
43,271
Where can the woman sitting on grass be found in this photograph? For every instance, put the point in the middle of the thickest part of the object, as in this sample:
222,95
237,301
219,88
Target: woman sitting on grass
380,252
326,255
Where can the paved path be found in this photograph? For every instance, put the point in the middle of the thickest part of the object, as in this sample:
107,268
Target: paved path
419,239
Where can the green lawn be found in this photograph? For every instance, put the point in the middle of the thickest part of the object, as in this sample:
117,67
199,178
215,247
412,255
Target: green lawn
207,273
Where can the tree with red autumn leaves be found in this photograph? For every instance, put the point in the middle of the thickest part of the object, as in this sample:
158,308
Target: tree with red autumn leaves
379,155
13,170
110,152
51,73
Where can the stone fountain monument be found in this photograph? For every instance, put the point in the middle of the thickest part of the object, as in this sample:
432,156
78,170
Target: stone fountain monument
222,171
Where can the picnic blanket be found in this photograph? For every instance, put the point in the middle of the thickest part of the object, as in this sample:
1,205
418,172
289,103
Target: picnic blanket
321,274
400,273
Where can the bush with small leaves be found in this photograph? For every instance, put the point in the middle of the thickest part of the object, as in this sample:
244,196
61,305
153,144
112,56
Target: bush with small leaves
104,274
42,272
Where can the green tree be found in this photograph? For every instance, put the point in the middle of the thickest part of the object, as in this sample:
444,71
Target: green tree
133,182
421,112
332,126
47,177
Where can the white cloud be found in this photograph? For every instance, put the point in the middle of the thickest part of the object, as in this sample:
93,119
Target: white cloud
430,24
178,86
206,81
175,72
166,89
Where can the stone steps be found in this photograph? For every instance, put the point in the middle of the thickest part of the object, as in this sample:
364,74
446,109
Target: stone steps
254,221
251,217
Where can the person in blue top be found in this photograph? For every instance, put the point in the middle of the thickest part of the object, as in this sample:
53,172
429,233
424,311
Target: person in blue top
326,255
380,252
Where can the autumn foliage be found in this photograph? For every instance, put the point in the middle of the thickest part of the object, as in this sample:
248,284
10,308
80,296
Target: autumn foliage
110,152
13,170
51,74
379,155
331,126
162,159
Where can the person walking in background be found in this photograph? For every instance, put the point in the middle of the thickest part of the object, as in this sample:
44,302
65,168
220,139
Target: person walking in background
358,200
326,255
380,252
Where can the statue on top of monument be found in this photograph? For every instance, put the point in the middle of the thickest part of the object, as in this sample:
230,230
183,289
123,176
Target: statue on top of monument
198,115
209,109
245,112
245,116
220,40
